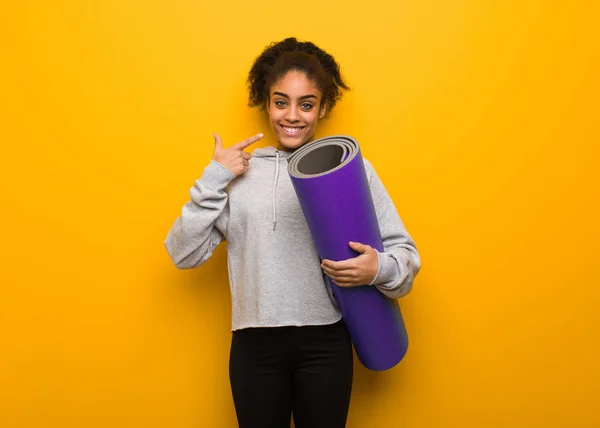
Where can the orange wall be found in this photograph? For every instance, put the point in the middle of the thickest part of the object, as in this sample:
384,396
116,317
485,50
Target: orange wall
480,116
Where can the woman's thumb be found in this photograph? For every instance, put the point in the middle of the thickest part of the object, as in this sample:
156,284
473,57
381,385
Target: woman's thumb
357,246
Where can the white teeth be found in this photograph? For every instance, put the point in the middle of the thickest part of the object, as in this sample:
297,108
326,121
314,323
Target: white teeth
291,130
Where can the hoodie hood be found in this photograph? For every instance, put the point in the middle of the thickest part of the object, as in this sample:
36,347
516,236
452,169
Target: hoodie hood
270,152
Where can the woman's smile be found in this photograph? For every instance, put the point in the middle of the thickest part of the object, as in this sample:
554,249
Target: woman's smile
292,131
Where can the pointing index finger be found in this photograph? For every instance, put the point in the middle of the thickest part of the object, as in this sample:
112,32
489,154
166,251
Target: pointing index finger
248,141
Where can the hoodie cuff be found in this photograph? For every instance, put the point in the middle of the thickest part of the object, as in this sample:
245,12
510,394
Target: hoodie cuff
388,270
216,177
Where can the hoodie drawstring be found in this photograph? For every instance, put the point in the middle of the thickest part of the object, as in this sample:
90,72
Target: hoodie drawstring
274,189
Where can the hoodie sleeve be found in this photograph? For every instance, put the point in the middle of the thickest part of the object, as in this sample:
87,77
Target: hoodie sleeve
399,263
202,224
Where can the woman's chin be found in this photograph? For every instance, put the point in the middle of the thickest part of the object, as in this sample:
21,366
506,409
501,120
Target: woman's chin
293,143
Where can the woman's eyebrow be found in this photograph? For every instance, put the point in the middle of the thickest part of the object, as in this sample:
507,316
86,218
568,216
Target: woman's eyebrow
300,98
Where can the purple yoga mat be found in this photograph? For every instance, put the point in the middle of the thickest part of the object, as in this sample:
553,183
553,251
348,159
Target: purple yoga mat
331,183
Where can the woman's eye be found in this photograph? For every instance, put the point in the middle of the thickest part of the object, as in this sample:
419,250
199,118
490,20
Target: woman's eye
280,103
306,106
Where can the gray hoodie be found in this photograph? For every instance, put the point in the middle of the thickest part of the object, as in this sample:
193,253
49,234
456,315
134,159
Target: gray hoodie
275,275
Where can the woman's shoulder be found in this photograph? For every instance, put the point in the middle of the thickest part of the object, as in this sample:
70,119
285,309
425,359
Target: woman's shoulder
368,164
369,168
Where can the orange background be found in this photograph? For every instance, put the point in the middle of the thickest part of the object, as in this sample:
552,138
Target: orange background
481,117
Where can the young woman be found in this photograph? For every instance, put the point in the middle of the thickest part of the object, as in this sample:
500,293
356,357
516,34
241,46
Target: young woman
291,352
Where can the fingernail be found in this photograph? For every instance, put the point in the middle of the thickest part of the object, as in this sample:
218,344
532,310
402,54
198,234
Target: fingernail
261,135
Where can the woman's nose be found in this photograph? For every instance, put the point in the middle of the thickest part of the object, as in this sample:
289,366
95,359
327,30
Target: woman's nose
292,115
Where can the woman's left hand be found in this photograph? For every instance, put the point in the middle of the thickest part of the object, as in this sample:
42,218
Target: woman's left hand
360,270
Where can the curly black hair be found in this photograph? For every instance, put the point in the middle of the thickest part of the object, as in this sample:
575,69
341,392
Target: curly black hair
280,57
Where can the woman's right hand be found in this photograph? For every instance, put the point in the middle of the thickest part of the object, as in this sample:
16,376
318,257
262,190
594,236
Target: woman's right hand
234,158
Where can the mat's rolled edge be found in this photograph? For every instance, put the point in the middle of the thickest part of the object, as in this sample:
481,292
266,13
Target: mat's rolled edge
348,147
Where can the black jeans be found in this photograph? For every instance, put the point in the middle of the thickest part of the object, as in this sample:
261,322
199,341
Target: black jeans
277,371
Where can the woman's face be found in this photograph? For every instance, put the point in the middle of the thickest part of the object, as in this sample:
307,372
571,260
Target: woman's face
294,110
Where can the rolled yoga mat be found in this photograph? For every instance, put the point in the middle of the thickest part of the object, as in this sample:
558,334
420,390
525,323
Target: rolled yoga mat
331,183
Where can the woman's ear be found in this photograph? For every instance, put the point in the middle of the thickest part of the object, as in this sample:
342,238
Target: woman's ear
322,110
